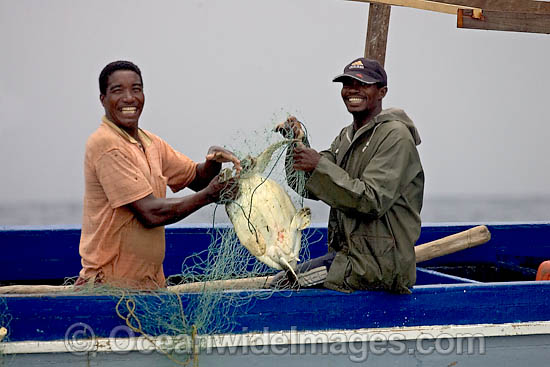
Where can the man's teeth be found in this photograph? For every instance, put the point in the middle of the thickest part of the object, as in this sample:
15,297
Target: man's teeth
355,100
129,110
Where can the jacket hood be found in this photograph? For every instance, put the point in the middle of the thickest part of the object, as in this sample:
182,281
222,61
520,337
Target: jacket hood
396,114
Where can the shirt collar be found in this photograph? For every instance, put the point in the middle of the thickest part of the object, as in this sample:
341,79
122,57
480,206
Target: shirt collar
351,136
143,136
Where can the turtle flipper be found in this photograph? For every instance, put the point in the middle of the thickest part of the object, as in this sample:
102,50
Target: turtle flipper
300,221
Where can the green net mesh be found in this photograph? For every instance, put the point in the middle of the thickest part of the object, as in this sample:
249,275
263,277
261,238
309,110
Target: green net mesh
210,309
5,319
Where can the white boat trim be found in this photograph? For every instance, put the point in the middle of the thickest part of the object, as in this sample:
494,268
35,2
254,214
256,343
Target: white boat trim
184,344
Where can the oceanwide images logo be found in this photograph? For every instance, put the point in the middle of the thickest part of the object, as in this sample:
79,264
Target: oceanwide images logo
80,339
353,345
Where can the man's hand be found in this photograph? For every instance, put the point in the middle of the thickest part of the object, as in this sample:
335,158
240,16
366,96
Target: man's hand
291,129
305,159
218,189
221,155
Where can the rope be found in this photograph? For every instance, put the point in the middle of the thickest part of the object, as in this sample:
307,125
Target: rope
131,307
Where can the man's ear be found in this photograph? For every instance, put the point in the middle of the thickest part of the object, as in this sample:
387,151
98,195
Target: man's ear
383,91
101,98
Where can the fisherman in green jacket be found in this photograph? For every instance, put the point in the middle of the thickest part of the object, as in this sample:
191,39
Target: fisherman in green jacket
372,178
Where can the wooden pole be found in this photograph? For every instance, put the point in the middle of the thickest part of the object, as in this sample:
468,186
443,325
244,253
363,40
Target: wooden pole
453,243
377,32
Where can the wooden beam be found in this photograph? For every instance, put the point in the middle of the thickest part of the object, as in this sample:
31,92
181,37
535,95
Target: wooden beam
505,21
500,15
516,6
435,6
451,6
377,32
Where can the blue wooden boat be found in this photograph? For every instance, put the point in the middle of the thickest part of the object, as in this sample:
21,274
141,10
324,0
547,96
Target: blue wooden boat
480,306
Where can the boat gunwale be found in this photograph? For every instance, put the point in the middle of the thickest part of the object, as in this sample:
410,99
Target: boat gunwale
286,337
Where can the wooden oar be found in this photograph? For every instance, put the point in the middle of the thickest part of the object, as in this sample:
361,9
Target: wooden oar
444,246
457,242
447,245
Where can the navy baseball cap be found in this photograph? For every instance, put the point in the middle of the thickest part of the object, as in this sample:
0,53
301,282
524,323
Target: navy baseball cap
365,70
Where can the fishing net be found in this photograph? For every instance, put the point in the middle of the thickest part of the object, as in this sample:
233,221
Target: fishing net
5,319
210,309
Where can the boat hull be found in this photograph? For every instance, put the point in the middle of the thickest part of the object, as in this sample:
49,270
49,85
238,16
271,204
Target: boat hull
487,345
509,318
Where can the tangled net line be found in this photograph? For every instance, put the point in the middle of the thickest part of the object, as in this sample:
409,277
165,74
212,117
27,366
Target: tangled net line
5,319
183,316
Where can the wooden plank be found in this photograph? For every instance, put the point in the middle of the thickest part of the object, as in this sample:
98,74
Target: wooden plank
505,21
219,285
451,6
377,32
420,4
519,6
35,289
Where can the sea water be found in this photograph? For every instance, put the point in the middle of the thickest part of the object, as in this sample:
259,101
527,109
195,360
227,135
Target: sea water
480,209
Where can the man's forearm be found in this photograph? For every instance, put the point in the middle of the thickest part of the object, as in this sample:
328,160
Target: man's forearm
154,212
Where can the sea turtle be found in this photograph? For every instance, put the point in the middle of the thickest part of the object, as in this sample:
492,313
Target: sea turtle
265,220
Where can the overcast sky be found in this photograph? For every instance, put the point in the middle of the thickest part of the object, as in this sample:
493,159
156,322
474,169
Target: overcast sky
212,68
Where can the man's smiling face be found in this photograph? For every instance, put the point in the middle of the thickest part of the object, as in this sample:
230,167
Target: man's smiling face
361,97
124,99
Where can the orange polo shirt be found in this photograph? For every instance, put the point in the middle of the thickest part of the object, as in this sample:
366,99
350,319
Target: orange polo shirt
115,247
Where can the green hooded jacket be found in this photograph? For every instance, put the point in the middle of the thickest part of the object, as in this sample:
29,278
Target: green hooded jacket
374,182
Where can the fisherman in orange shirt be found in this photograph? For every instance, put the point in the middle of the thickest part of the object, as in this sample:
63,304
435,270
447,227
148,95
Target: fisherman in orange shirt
126,172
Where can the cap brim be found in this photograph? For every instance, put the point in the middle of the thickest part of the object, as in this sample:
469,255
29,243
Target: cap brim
342,77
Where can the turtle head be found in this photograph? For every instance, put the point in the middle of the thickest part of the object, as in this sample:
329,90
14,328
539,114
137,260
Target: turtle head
258,164
263,159
249,164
